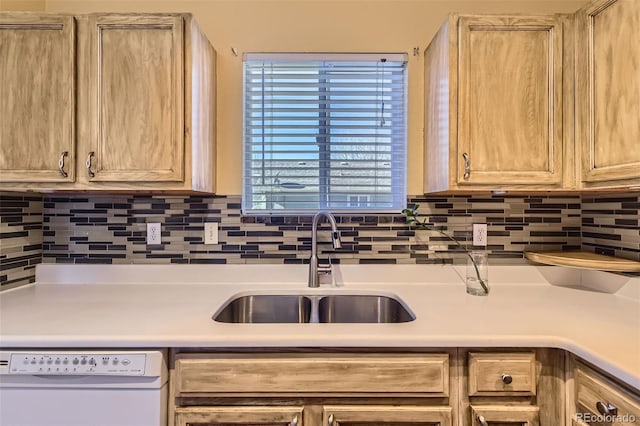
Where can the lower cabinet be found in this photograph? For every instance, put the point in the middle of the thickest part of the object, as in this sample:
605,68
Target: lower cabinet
438,387
345,415
332,415
600,400
314,389
254,416
504,415
513,387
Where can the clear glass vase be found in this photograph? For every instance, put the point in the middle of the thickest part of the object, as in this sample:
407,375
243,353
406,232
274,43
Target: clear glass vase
478,273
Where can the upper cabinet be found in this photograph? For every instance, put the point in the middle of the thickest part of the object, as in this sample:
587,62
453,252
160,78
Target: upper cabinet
132,71
494,98
608,93
37,98
145,105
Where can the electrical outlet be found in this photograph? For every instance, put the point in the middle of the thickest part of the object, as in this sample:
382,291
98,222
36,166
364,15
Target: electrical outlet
211,232
154,233
480,234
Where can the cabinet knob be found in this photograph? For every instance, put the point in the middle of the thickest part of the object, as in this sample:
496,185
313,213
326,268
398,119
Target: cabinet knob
61,164
88,164
606,408
482,421
331,421
507,379
294,421
467,165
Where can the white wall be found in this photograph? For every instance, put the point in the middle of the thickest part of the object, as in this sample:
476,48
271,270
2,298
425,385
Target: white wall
312,26
22,5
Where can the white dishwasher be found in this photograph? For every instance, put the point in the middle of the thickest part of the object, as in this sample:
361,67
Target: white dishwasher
83,388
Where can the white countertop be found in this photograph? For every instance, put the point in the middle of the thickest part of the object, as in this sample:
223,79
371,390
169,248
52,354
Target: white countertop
156,306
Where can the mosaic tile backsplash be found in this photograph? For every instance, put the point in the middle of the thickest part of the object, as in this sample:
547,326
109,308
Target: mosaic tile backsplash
112,229
610,225
20,238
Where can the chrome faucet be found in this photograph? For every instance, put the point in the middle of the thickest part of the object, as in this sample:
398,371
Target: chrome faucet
314,268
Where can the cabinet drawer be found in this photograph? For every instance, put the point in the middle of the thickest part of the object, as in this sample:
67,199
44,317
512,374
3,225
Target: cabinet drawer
495,415
240,415
505,374
272,374
592,390
385,415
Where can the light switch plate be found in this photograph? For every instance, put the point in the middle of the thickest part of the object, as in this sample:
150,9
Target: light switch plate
154,233
211,232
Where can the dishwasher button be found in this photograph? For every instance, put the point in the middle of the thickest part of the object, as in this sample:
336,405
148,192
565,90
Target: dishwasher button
126,362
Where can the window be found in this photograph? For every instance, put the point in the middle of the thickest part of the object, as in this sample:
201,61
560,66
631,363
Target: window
324,132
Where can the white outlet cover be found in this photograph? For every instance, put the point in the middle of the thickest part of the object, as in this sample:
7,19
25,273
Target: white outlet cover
154,233
480,234
211,232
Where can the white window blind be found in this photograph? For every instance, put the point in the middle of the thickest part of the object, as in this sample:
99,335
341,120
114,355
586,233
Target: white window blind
324,132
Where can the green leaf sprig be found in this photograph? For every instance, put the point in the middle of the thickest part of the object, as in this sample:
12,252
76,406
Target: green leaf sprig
412,217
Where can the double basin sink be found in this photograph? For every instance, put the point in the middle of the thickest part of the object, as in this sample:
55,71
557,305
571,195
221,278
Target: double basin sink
314,308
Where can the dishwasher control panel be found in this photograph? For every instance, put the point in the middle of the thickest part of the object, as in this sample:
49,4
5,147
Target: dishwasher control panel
75,363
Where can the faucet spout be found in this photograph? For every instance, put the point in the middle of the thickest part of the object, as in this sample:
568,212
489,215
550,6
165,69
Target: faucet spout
314,279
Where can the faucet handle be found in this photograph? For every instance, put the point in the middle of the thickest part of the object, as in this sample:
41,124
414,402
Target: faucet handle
325,275
324,268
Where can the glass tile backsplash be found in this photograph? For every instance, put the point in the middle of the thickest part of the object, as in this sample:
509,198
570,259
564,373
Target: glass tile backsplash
20,238
111,229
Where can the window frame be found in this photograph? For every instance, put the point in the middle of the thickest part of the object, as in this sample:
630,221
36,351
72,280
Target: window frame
324,174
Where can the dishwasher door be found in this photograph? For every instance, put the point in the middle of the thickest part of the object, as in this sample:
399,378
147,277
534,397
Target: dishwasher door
40,389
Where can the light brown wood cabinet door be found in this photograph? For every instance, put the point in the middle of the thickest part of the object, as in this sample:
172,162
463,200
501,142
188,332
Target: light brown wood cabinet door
133,76
608,92
376,415
598,399
510,101
239,416
37,98
504,416
313,375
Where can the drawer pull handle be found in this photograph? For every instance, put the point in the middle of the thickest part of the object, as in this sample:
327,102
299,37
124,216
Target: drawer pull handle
88,164
507,379
61,164
331,421
294,421
482,421
606,409
467,165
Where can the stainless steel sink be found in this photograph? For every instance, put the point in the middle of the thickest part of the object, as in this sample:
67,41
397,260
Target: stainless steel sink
266,308
327,308
362,309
